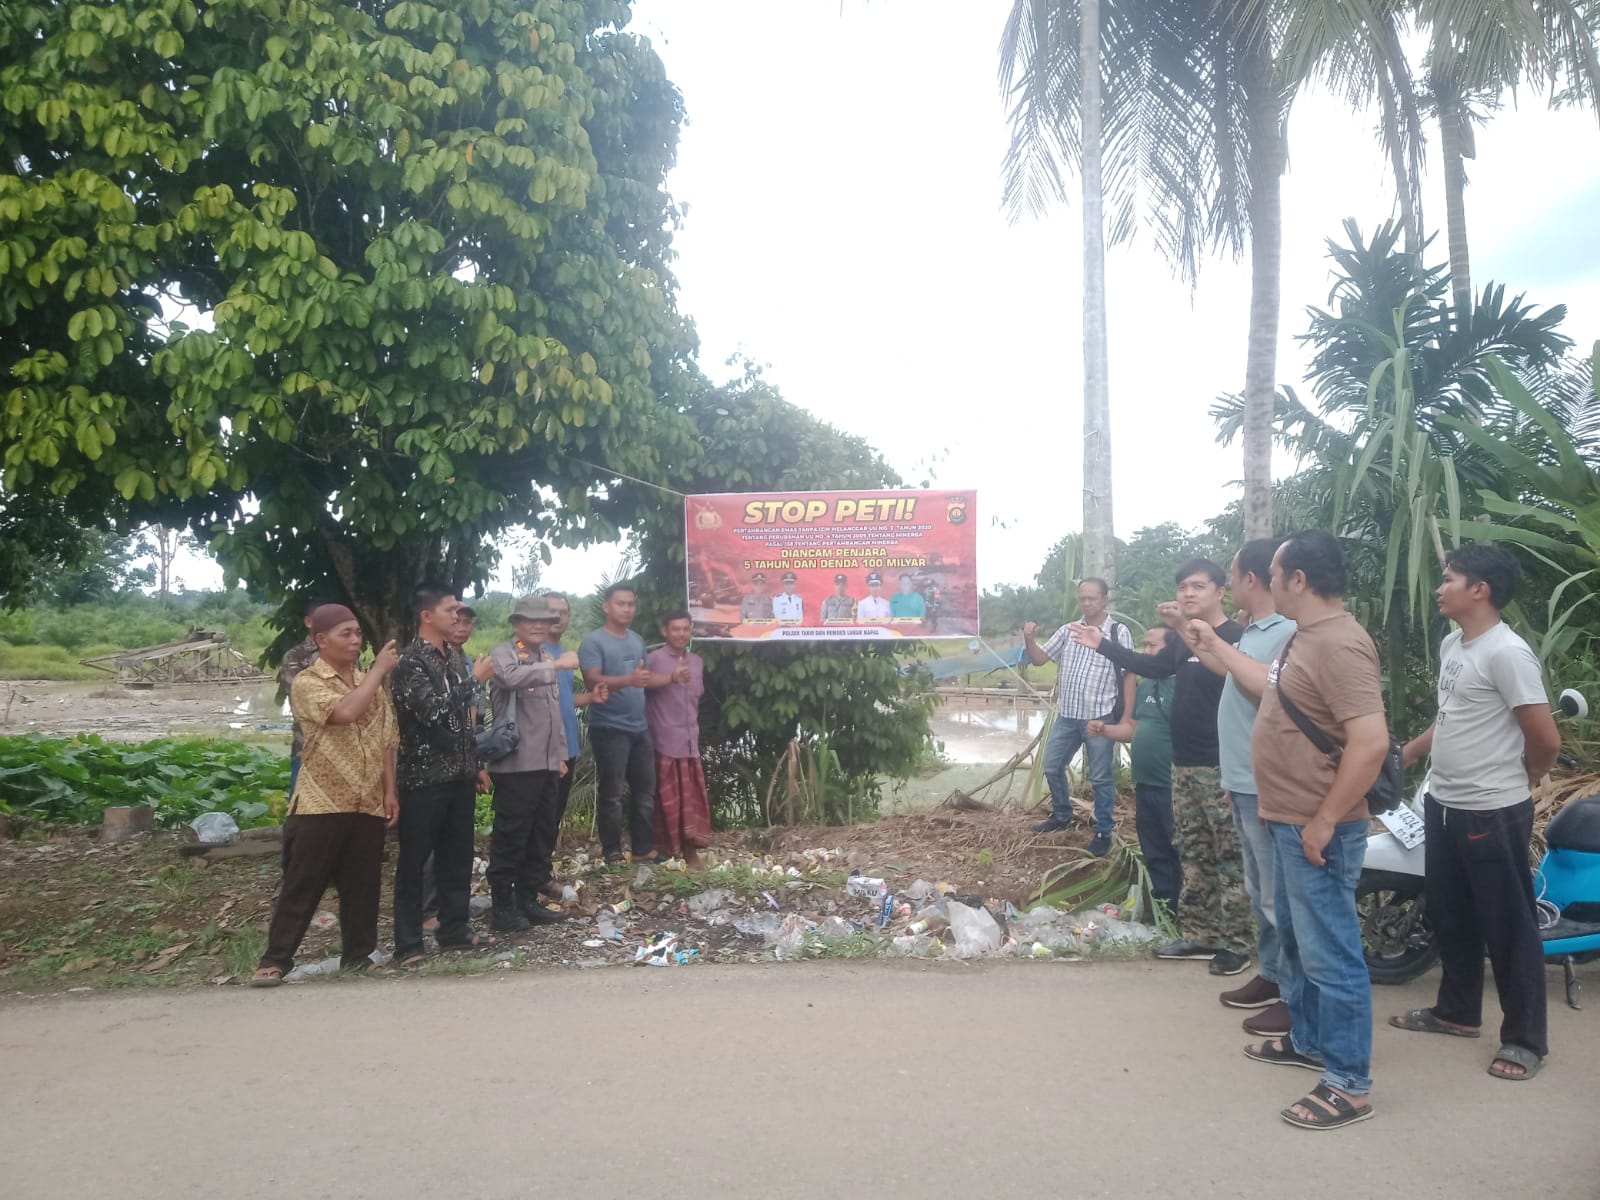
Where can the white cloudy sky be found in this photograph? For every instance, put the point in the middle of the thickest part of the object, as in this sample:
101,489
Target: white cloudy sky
841,172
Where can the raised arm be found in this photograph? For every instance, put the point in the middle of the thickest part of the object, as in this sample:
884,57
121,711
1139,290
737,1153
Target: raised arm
1151,666
1248,673
353,705
1030,646
510,672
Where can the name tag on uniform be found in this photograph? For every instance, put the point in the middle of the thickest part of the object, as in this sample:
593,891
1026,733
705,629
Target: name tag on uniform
1405,825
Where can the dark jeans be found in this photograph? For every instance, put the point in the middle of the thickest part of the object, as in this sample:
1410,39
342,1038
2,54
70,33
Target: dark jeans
524,804
341,849
1479,893
623,759
1152,818
437,821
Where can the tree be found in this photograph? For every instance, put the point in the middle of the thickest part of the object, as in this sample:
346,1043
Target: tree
1036,35
1475,51
1394,363
1194,113
862,703
431,243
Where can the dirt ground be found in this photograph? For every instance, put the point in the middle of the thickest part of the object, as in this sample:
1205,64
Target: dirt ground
79,913
241,710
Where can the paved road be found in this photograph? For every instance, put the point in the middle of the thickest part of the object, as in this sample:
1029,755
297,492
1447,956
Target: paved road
932,1081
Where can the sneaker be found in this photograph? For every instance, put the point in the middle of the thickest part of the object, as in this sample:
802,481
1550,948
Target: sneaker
1226,962
1052,826
1101,845
1270,1022
1184,948
1258,993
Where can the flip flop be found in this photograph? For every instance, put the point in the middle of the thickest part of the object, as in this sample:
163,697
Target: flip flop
1280,1052
1422,1020
1520,1056
1332,1110
411,961
265,977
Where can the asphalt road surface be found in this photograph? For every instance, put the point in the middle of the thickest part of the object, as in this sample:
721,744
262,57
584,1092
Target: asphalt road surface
927,1081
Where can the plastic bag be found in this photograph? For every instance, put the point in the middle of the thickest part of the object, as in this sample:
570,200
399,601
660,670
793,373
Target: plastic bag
708,902
762,925
916,946
836,929
974,930
921,890
214,828
790,939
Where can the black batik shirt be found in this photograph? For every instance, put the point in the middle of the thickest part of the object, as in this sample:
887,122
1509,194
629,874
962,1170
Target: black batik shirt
433,699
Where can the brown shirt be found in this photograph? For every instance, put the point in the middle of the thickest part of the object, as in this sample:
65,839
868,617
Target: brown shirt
1331,674
341,767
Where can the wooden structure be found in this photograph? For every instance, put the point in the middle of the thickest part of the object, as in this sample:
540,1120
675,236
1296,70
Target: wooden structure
202,656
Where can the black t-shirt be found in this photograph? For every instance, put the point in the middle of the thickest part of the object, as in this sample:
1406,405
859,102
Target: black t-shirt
1196,695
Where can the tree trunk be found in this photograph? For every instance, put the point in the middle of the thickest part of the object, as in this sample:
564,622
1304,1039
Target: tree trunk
1265,168
1402,130
1098,536
1454,150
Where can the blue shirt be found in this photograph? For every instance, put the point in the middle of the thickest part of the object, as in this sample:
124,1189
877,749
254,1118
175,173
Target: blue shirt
569,711
614,656
1236,715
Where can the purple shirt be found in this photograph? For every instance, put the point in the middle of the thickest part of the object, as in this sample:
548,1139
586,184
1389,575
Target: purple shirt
673,712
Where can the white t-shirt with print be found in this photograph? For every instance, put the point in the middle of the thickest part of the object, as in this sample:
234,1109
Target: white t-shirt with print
1477,743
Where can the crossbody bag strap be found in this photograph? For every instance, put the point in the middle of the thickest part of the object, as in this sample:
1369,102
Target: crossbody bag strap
1305,724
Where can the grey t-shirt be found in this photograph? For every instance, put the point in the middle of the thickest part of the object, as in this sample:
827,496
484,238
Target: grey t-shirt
1236,714
1477,743
615,656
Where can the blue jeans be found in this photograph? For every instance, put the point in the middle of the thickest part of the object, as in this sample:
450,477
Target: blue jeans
1323,973
1260,880
1067,737
1152,817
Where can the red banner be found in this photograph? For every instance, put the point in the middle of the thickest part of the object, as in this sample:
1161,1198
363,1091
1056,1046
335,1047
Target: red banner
830,565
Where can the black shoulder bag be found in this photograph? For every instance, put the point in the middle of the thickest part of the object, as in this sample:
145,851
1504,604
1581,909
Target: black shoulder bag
1385,791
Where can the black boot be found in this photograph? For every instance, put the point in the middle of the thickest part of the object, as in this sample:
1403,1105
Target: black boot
506,918
533,909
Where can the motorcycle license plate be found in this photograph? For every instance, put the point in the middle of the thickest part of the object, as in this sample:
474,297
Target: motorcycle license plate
1405,825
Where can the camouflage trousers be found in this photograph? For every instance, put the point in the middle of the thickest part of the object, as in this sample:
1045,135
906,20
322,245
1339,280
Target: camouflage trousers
1215,910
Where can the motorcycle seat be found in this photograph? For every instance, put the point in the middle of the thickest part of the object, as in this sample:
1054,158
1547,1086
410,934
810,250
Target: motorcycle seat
1565,928
1576,826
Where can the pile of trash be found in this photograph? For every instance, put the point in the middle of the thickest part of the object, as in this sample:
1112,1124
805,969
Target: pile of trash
927,920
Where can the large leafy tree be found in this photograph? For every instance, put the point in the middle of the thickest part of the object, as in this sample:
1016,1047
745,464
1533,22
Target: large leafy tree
345,287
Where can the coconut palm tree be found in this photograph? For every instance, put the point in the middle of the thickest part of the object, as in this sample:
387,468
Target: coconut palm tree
1192,110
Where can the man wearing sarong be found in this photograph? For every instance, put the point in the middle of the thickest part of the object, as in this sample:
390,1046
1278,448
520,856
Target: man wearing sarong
682,813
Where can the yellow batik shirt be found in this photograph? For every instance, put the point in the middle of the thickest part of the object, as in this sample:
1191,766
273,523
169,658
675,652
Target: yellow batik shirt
341,766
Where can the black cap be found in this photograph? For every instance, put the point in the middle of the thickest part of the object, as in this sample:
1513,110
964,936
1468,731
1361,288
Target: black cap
841,579
874,577
790,577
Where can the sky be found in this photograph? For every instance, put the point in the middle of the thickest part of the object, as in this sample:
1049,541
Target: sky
841,176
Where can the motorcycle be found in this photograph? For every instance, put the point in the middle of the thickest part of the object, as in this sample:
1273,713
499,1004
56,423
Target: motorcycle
1398,940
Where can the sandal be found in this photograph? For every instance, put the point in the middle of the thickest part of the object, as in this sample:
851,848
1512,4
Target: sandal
1330,1108
411,961
1280,1052
616,860
1519,1056
266,977
476,941
1423,1020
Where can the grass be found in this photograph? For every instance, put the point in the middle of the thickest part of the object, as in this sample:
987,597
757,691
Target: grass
49,662
471,964
242,951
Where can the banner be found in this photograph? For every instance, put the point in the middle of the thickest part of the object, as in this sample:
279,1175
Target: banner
832,565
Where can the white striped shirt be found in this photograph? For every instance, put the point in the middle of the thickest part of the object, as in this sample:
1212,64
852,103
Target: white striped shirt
1086,686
